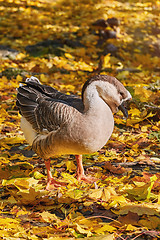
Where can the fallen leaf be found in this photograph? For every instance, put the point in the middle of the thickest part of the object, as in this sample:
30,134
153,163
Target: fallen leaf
130,218
142,192
113,169
83,230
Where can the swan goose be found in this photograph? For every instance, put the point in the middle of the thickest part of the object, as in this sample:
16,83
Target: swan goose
55,123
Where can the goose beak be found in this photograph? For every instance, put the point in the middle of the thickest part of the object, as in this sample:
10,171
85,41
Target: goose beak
123,106
123,110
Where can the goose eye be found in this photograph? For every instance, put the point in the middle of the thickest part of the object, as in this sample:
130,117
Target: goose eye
122,94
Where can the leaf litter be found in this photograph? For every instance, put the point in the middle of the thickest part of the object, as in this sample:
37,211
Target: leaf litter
124,202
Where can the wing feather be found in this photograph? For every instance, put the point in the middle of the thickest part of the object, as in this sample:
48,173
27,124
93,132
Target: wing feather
44,107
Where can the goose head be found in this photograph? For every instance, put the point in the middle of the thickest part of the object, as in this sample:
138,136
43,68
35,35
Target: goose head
109,89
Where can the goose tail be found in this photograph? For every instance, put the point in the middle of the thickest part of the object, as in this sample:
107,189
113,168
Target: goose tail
33,80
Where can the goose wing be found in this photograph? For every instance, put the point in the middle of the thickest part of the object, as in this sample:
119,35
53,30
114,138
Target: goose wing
45,108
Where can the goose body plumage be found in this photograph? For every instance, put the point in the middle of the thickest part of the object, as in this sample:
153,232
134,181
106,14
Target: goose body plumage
55,123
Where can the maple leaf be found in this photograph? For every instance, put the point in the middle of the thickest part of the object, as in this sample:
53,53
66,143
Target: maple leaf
48,217
142,192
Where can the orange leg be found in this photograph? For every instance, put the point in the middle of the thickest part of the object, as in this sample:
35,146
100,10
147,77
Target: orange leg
80,171
51,182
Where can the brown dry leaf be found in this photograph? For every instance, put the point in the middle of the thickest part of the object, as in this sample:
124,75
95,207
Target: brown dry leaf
130,218
152,222
113,169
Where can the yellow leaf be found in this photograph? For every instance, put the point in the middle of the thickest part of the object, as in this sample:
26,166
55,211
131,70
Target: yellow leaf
70,166
68,55
13,140
28,197
106,228
69,87
131,228
143,93
30,65
155,128
9,222
43,78
122,75
101,237
19,78
21,183
107,193
159,198
48,217
4,160
22,213
135,147
82,230
95,193
38,175
119,199
106,61
20,56
144,128
137,116
134,112
120,121
75,194
140,209
142,192
150,115
69,178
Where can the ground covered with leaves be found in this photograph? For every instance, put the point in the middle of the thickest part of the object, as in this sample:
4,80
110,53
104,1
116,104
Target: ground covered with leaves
63,43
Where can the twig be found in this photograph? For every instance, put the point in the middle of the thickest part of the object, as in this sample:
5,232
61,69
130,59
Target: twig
122,237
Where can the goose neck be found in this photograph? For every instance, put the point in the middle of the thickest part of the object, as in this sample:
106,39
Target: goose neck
92,100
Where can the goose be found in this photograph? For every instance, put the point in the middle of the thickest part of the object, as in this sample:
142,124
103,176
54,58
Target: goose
54,123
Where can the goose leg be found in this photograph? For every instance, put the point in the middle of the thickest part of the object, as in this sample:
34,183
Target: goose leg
80,171
51,182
